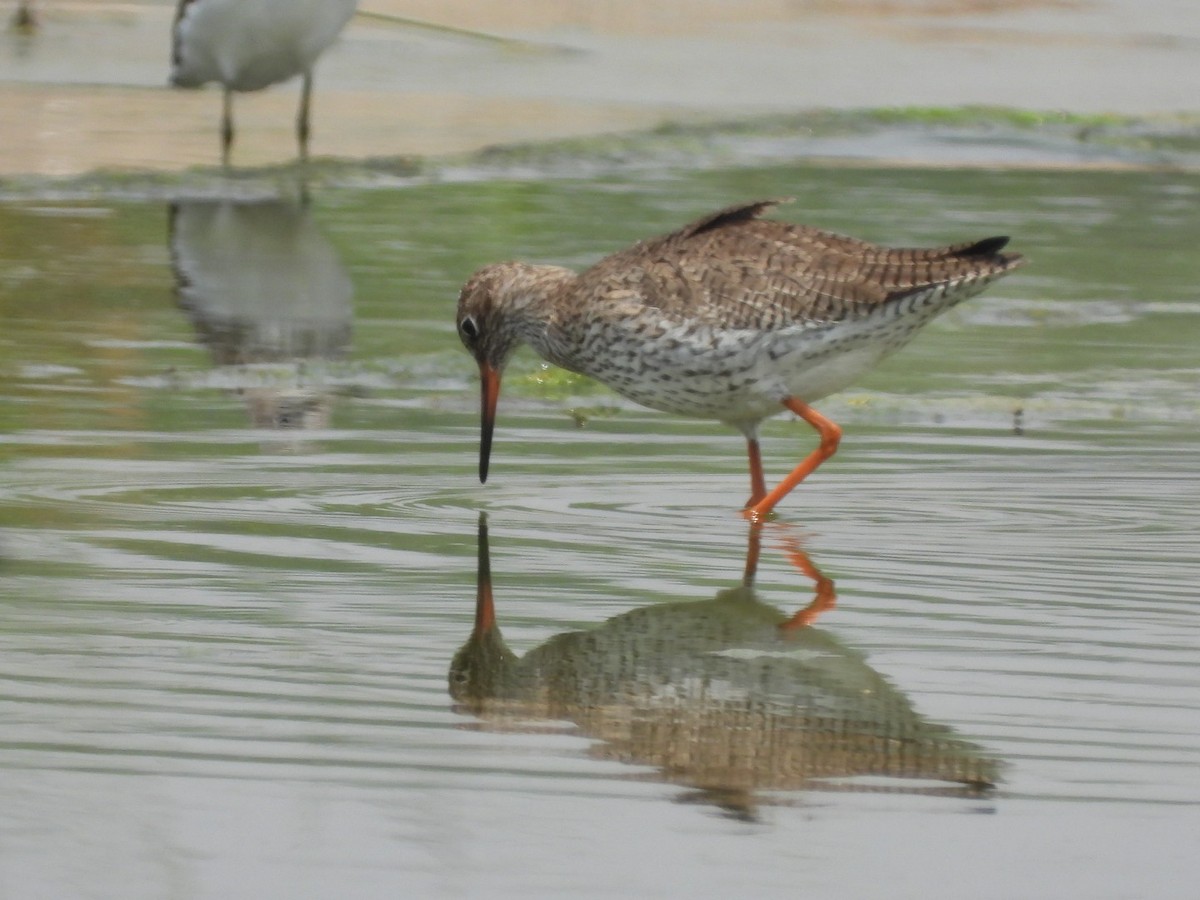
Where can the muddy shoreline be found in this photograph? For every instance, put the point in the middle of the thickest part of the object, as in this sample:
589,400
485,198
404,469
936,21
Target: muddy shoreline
86,90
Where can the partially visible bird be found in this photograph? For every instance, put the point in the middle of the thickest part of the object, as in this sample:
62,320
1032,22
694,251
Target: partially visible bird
247,45
262,285
733,317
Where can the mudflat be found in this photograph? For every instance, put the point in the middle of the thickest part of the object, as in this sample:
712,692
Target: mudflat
87,88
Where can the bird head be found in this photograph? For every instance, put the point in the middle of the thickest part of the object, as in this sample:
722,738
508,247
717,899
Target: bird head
489,336
500,307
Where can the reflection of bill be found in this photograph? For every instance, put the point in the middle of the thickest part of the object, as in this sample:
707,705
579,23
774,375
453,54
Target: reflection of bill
727,696
268,296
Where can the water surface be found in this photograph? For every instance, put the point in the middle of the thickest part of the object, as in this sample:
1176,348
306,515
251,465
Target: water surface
238,550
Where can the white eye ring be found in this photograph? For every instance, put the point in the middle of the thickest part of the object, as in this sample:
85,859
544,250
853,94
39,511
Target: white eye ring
468,327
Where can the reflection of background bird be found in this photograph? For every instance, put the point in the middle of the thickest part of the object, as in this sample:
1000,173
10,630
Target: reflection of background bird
261,284
733,317
25,18
719,695
247,45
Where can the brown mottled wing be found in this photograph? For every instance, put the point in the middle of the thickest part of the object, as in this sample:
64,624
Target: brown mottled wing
737,270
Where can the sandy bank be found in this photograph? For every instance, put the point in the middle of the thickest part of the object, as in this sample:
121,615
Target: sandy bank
87,89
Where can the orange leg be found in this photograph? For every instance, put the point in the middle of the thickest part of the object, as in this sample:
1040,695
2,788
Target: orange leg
830,435
758,486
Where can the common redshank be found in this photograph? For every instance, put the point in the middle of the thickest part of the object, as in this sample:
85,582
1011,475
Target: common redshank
247,45
733,317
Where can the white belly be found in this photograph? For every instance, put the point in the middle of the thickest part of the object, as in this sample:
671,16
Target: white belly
741,377
249,44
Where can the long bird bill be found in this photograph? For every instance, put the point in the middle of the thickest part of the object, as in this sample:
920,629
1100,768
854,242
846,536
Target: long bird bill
489,383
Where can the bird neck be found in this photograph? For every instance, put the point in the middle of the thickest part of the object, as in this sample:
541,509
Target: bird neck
533,291
534,304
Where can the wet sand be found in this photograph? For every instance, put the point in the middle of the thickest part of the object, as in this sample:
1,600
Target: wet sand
87,90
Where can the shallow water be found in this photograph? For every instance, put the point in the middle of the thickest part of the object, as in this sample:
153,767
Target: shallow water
238,551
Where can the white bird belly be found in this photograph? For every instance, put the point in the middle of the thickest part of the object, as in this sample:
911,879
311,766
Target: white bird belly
250,44
739,376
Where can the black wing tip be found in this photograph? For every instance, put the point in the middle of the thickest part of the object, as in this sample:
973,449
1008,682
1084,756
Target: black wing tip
988,250
986,247
741,212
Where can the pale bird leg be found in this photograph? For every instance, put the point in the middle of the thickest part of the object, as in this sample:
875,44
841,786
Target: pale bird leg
226,127
302,127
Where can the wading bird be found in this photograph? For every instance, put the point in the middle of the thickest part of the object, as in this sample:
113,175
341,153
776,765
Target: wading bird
733,317
247,45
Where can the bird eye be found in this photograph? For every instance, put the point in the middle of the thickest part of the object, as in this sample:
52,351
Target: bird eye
469,329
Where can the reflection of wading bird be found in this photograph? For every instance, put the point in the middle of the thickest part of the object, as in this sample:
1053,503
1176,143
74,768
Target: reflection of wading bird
247,45
726,696
25,18
732,317
265,289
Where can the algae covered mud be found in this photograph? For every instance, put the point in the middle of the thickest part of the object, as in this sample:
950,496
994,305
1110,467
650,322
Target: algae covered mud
240,548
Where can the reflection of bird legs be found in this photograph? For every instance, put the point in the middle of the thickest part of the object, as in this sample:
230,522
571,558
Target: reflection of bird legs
824,596
25,19
303,127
